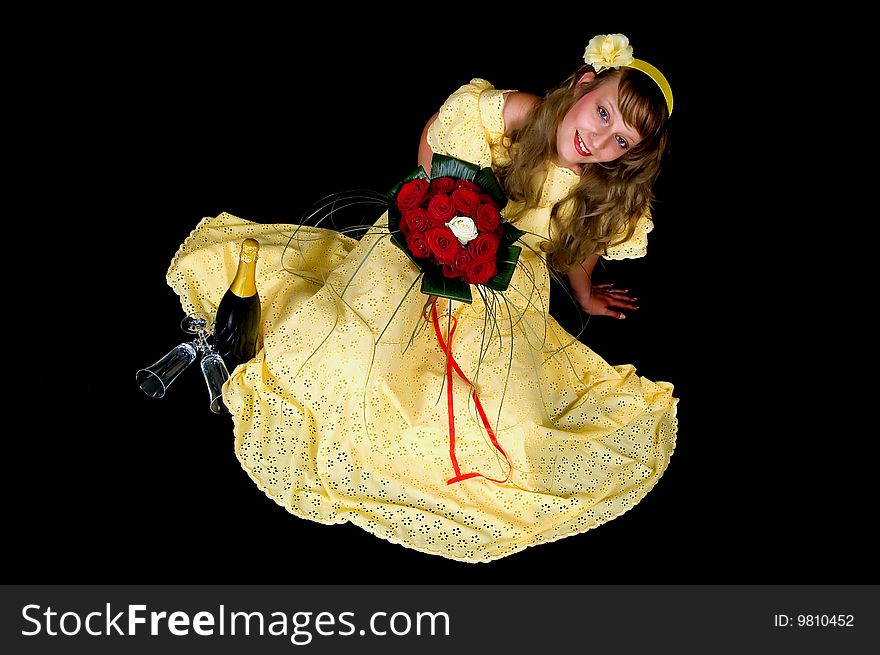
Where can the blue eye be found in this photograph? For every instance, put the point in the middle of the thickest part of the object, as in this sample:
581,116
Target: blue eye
603,113
622,142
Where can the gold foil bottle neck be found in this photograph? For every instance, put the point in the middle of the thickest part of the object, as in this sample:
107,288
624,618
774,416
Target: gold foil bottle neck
244,284
250,248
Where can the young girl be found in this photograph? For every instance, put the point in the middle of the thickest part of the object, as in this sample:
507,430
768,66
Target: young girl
466,430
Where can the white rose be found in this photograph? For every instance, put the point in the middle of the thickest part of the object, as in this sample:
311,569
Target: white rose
463,228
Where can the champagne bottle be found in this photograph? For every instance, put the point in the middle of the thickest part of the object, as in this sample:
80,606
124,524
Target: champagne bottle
237,325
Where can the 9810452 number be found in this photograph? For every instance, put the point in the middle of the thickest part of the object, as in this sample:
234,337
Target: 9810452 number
825,620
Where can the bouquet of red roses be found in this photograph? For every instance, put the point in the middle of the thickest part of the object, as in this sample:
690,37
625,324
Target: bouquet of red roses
450,226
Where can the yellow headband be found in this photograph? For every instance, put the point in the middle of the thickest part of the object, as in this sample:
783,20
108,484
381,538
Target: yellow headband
614,51
657,76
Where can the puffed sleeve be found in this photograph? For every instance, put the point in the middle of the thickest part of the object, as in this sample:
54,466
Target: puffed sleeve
637,245
470,125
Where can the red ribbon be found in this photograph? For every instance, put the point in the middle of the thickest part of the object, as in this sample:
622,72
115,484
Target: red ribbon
452,365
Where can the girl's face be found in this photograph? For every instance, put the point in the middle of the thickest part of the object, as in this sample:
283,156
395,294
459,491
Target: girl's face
593,130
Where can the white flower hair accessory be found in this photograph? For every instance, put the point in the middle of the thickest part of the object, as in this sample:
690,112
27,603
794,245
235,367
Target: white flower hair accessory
613,51
608,51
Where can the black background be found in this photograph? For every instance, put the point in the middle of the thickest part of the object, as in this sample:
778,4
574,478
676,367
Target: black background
143,129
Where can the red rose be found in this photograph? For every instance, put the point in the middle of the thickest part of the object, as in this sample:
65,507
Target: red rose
440,209
461,260
414,220
485,245
470,186
450,271
442,185
443,244
465,201
487,217
418,245
480,270
412,194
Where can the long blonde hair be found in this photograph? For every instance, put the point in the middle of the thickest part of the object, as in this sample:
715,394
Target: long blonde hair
605,206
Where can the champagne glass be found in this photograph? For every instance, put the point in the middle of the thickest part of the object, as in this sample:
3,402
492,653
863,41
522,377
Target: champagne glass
213,367
215,373
155,379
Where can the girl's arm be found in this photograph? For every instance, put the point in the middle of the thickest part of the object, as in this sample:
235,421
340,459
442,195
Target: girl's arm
425,152
598,299
517,105
580,279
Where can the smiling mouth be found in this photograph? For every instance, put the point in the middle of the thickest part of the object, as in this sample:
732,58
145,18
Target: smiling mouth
580,146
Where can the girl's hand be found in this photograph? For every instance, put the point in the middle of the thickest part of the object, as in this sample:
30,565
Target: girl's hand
605,300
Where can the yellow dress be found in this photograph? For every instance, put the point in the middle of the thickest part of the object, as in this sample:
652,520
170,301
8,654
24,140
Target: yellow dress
343,415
